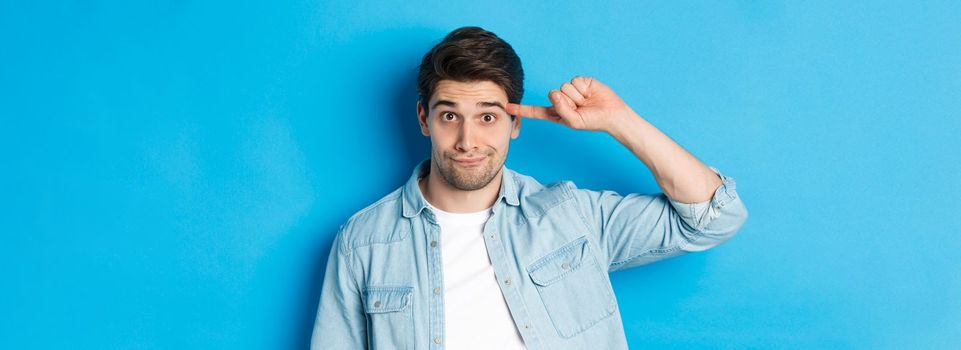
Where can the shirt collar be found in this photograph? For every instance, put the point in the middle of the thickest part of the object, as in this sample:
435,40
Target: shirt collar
414,202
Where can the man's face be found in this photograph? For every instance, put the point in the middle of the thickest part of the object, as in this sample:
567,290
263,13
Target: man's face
470,131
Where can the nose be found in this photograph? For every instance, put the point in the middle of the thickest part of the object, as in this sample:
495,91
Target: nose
465,140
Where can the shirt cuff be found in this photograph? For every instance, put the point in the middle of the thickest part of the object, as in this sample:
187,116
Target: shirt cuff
698,215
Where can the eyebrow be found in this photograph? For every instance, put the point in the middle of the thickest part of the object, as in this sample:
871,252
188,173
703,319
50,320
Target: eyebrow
482,104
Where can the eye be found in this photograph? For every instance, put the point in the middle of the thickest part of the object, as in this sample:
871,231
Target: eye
489,118
447,116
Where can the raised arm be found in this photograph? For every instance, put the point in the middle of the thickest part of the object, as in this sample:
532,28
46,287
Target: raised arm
587,104
699,209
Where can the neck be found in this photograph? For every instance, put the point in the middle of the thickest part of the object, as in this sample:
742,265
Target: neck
445,197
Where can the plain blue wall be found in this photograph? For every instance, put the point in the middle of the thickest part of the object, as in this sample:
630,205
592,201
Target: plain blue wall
172,174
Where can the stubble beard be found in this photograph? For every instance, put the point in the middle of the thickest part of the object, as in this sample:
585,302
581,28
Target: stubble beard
471,178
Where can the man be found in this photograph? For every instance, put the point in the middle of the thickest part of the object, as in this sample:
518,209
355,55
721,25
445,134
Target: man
471,255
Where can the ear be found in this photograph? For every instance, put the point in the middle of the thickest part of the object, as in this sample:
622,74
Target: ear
516,127
422,119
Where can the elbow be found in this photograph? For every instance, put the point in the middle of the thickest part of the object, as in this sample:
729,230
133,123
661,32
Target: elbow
728,220
737,218
724,222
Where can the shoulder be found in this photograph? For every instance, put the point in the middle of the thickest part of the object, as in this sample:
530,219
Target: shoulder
379,222
537,199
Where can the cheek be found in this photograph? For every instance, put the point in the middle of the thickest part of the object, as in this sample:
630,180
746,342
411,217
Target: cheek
488,136
500,140
443,140
442,134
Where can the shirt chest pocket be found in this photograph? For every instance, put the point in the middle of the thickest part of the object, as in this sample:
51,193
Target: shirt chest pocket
390,322
573,287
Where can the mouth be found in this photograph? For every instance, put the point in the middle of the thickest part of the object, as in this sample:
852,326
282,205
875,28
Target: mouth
468,161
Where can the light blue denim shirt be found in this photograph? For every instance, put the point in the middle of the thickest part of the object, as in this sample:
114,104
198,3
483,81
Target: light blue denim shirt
551,247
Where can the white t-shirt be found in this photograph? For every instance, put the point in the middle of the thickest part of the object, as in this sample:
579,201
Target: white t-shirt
475,311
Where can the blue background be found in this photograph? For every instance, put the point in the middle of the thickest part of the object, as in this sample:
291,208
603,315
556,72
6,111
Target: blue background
173,173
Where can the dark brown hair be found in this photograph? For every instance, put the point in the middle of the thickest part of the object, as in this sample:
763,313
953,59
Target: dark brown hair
470,54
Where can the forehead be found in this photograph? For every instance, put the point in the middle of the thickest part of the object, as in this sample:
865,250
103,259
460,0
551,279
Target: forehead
468,91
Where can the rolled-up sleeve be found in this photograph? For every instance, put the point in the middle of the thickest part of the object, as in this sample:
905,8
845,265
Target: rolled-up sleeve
637,229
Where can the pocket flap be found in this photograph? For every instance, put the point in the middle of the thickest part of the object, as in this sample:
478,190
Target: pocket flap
559,263
386,299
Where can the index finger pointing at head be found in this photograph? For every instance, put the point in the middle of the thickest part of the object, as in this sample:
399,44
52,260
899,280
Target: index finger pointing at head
536,112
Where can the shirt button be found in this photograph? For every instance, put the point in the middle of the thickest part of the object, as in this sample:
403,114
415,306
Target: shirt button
436,290
493,236
437,340
507,281
433,244
527,326
377,303
565,265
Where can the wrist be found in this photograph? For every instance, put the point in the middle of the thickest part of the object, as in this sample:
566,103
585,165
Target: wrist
622,124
